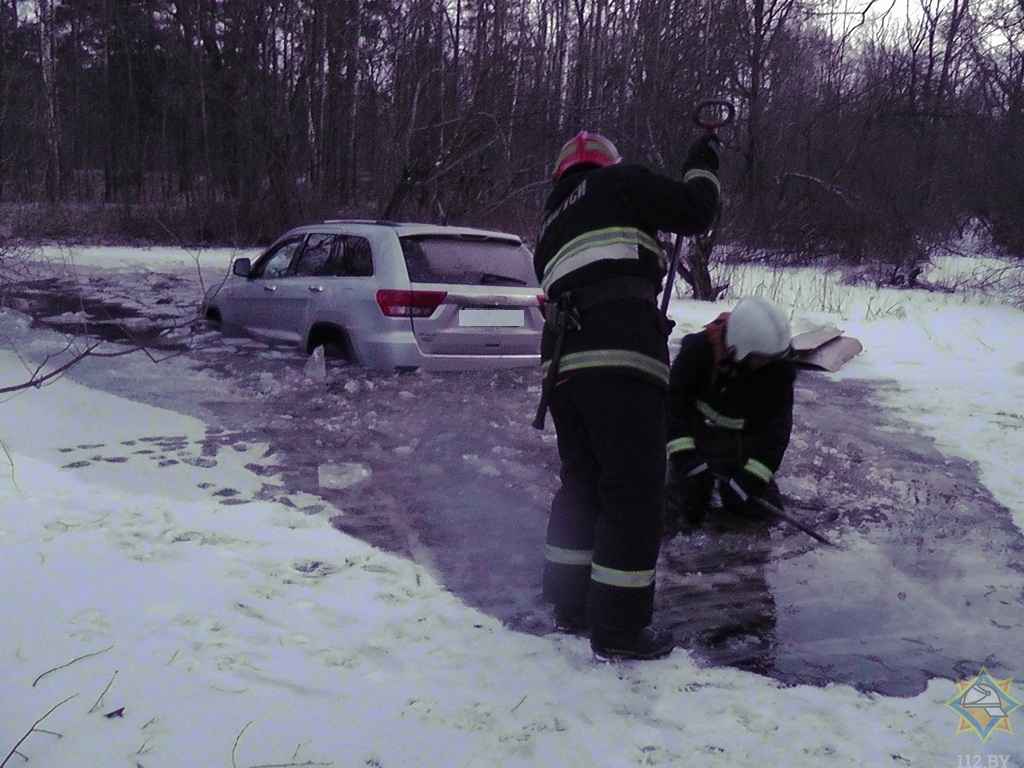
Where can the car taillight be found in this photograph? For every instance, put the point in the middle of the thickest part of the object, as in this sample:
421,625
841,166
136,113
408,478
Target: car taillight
409,303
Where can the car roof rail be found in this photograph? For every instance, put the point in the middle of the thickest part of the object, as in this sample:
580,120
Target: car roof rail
382,222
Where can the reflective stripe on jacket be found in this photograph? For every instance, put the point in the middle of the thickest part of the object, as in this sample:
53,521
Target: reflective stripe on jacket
602,224
612,243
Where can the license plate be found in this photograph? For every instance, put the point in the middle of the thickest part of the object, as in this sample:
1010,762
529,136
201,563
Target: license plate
492,318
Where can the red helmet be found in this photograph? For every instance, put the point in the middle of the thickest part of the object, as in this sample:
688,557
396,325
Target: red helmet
585,148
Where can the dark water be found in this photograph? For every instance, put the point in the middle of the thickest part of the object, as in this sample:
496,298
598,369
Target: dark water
927,580
68,308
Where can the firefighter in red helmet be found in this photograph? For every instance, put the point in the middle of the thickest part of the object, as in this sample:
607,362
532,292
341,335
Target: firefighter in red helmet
585,149
605,361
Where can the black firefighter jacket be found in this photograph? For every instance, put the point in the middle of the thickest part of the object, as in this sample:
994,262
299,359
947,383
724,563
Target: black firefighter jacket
735,418
603,223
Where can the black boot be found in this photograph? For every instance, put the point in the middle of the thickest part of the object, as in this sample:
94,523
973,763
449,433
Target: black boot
570,619
688,522
642,644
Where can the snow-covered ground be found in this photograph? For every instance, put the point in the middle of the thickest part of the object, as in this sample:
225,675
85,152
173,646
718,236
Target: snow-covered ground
147,621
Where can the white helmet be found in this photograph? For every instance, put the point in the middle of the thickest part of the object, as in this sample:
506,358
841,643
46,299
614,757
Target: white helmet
757,326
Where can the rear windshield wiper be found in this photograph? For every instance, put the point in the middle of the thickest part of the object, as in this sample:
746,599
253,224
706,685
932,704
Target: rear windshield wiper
488,278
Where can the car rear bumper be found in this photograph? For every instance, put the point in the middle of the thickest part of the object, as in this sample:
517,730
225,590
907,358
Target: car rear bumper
400,351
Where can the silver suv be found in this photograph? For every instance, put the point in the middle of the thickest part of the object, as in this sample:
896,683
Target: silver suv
390,296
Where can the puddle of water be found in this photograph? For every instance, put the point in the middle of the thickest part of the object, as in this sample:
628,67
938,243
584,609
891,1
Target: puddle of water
59,306
930,585
868,616
877,613
714,595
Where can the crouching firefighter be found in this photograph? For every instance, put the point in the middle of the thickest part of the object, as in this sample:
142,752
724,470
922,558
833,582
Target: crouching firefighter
605,363
730,415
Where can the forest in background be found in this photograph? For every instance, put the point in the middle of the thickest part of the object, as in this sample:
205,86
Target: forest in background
865,130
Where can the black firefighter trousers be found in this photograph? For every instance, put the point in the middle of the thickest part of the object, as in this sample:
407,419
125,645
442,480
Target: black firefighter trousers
605,527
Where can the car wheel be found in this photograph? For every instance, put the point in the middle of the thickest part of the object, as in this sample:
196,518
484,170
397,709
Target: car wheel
334,341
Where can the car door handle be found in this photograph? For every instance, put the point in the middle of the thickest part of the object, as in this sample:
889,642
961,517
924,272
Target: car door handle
316,288
270,288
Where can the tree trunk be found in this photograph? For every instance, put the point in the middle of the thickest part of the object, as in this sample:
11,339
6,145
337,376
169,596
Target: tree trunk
53,181
698,266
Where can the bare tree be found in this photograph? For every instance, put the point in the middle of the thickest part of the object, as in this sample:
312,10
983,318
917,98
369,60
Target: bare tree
52,133
998,56
859,133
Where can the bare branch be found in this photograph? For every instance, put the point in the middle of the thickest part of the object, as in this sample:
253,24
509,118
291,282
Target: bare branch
235,747
65,666
35,728
37,380
100,699
833,188
10,462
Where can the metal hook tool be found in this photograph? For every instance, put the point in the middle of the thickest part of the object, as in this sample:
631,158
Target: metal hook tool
710,115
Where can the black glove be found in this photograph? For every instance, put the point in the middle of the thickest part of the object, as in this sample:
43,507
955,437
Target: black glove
686,498
703,153
687,493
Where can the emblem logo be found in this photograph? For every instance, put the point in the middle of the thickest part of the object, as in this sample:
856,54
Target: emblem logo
984,705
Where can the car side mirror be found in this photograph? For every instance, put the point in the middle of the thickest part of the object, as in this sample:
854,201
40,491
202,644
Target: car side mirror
241,267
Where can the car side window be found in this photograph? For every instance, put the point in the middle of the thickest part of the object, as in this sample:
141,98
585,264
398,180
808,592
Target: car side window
277,262
316,257
327,255
355,256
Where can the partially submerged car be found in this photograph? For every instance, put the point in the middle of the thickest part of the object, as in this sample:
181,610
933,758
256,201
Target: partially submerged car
393,296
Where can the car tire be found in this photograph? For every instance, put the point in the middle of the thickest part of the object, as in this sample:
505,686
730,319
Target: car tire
334,341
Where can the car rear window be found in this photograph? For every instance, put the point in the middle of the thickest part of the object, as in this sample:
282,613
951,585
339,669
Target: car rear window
468,261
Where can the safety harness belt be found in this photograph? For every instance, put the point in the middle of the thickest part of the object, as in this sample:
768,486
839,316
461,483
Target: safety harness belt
562,314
